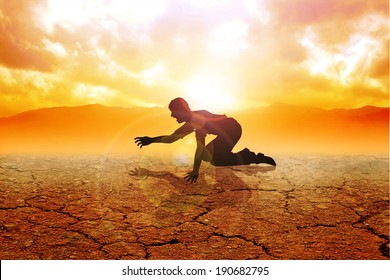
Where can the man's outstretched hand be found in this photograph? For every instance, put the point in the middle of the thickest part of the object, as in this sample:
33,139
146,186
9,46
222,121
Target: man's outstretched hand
143,141
192,176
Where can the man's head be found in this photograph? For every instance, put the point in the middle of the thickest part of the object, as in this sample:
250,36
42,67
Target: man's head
180,110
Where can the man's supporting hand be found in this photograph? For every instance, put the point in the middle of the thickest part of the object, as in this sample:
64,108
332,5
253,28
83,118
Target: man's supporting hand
192,176
143,141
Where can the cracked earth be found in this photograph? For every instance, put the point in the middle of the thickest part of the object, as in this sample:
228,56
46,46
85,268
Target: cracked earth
119,207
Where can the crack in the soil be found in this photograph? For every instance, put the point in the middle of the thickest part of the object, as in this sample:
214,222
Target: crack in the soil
384,247
257,244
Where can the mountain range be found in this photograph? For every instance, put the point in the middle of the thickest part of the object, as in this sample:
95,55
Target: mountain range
278,128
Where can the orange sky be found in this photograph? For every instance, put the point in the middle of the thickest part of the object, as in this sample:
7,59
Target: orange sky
237,54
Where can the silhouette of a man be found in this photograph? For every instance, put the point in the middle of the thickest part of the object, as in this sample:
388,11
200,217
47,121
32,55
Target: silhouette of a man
219,151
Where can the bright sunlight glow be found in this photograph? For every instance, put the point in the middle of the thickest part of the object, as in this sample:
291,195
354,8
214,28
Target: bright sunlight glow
207,92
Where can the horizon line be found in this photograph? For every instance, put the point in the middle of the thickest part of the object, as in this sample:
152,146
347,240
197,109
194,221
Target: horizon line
166,107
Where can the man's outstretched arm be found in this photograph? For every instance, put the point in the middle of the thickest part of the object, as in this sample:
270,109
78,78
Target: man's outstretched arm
145,140
180,133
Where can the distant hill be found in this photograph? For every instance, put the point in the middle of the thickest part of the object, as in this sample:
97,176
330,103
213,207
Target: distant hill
296,129
279,128
90,128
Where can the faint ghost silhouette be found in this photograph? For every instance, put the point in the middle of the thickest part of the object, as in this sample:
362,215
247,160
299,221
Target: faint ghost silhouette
219,151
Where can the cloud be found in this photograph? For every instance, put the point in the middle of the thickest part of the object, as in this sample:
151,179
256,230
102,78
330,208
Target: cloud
229,39
132,53
20,40
306,12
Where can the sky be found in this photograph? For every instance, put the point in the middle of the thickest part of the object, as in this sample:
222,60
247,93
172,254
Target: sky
217,54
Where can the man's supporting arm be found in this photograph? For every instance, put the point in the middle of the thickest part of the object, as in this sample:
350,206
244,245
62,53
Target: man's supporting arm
200,147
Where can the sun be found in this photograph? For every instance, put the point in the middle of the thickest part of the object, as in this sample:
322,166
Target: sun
208,92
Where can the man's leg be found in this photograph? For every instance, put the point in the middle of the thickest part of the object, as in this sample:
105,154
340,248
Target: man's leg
244,157
219,151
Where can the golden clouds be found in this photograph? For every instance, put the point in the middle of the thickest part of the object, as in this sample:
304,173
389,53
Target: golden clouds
240,53
229,39
71,15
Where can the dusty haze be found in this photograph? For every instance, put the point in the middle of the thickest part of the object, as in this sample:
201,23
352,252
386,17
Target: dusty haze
279,128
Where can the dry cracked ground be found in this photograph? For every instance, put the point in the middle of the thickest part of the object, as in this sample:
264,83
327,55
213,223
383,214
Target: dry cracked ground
121,207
